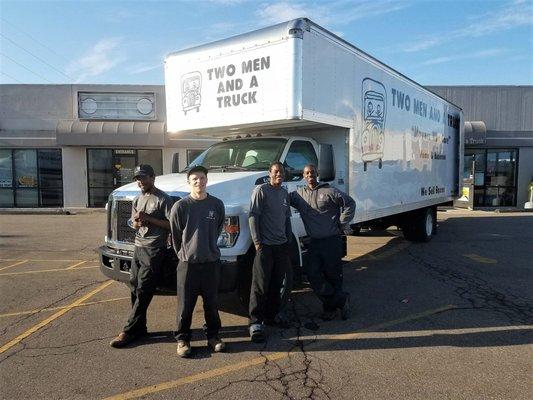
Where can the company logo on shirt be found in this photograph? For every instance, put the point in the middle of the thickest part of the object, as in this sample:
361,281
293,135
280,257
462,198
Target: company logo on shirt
285,203
321,196
211,215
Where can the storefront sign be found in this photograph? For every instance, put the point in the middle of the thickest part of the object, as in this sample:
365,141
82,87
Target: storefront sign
125,151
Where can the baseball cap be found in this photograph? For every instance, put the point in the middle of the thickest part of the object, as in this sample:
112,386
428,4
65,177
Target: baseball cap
142,171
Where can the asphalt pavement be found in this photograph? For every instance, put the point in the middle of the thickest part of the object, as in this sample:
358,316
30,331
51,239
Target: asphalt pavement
448,319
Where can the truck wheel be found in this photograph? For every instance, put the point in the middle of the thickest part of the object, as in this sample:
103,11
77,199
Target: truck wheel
421,225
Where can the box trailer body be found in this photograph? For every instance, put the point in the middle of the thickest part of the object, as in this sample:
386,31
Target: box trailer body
391,144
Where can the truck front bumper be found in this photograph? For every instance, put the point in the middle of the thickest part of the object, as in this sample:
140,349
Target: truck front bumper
114,265
117,266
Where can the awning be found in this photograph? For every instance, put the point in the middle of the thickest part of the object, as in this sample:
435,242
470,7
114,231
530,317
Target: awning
110,127
475,132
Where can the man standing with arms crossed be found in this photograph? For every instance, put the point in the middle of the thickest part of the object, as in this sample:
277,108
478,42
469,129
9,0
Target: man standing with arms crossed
270,227
149,215
326,213
196,222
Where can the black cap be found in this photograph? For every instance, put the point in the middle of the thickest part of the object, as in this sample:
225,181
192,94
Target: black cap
142,171
197,168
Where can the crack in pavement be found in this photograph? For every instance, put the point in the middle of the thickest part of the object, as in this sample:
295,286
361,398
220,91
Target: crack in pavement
476,291
45,328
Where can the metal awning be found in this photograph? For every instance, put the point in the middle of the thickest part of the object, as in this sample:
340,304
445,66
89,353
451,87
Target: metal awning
475,133
110,127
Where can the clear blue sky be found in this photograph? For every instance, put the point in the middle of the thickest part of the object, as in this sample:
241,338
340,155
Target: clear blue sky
435,42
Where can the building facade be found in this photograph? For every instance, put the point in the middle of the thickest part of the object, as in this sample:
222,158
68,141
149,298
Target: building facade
71,145
498,163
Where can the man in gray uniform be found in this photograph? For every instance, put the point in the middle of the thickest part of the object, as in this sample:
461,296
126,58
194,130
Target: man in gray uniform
270,226
149,215
326,213
196,222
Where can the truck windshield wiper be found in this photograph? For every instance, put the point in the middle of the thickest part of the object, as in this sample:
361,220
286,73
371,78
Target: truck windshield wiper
228,167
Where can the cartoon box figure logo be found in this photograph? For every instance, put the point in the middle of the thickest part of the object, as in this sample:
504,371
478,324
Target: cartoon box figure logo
374,100
191,86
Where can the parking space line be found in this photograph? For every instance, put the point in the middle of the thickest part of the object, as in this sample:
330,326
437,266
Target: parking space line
36,311
48,270
14,265
481,259
53,317
75,265
213,373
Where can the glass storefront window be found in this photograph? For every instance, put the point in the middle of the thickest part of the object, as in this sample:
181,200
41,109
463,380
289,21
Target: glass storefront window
25,168
100,166
31,178
6,168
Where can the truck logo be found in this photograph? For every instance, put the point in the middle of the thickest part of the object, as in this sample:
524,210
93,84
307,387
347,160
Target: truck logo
374,101
191,86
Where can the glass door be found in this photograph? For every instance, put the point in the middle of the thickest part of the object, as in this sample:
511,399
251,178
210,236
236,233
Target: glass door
124,162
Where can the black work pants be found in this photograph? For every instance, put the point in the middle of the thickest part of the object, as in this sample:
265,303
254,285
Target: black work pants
324,271
146,268
195,280
272,265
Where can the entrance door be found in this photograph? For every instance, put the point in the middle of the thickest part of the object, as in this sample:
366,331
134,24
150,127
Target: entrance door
124,162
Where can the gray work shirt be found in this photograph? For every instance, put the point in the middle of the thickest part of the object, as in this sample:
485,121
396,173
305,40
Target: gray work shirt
195,227
270,215
157,205
325,210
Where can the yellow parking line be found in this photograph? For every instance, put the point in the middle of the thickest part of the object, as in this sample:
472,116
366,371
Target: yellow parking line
14,265
53,317
75,265
14,314
213,373
47,270
480,259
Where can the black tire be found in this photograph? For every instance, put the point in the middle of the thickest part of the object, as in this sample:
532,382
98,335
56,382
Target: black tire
420,225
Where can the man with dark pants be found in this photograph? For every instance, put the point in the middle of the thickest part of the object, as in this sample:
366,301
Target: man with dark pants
196,222
326,213
270,227
149,217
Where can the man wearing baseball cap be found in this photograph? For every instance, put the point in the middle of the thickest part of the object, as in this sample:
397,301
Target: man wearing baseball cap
150,214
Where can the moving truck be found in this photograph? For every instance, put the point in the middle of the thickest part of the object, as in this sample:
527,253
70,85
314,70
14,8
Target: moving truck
297,93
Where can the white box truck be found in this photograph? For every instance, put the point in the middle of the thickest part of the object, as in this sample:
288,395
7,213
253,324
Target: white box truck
297,93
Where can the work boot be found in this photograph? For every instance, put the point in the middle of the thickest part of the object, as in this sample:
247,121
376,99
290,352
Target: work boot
122,340
216,344
345,309
257,333
184,348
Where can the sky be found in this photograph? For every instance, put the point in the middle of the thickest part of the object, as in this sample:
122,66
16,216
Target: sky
434,42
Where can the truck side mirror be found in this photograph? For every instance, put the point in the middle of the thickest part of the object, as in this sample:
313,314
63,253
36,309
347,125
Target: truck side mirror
326,166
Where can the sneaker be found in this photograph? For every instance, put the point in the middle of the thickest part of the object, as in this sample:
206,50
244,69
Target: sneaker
216,344
122,340
345,309
328,315
257,333
282,321
184,348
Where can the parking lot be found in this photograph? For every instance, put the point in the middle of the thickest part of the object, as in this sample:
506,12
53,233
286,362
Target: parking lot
447,319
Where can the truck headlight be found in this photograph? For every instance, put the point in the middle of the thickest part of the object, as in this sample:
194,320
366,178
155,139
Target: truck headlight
230,232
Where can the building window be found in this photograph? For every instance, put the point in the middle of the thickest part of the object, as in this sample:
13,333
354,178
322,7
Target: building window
31,178
109,169
116,106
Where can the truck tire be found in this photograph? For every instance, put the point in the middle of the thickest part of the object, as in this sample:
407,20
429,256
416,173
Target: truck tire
420,225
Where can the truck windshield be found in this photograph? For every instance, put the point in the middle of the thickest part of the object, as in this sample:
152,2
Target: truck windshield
241,155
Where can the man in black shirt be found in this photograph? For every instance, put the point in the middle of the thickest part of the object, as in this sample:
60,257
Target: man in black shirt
149,216
196,222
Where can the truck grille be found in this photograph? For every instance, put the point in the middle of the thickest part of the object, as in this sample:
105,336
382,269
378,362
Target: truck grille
123,231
